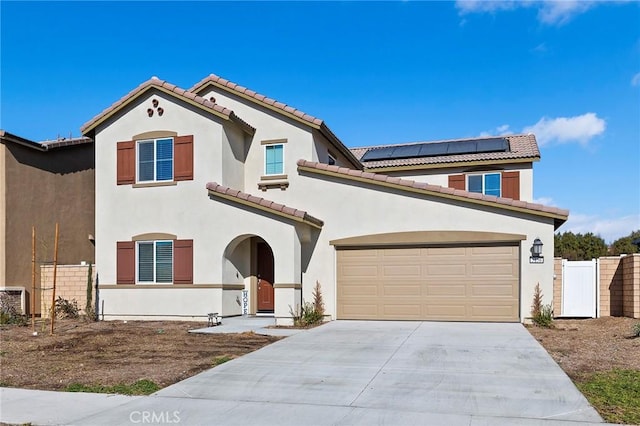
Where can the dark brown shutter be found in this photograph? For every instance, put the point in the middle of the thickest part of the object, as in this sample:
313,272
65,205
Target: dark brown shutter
183,262
183,157
457,182
511,185
126,262
126,163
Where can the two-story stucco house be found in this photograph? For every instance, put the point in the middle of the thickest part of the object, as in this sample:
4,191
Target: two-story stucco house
207,192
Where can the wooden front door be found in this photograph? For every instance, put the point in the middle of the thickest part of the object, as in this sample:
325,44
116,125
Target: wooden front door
265,278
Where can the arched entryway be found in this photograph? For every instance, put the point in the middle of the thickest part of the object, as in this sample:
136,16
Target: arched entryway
248,260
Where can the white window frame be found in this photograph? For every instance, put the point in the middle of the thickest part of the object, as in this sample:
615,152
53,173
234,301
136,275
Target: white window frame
484,186
155,159
264,158
137,260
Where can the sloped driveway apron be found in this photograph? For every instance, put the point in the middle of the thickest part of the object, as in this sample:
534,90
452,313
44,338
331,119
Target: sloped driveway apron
364,372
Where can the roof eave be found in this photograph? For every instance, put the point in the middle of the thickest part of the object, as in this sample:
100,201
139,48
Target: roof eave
10,137
306,219
89,128
452,164
558,218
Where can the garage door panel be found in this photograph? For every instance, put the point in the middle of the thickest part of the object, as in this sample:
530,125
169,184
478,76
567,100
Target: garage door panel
455,290
402,290
474,283
401,271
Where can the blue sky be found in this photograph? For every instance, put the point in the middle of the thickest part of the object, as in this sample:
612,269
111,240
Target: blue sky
376,72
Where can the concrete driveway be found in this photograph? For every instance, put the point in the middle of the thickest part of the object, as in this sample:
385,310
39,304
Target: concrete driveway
369,372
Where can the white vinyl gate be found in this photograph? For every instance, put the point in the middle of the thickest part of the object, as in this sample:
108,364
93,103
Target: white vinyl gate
579,288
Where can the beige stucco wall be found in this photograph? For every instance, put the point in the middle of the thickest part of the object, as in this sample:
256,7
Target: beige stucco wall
441,176
71,284
42,189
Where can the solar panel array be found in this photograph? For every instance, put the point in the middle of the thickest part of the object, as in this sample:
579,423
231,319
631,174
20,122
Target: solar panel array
434,149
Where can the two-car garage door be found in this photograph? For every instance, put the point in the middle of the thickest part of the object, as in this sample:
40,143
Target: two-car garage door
451,283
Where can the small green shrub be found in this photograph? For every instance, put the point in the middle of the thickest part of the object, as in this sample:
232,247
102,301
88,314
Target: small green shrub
541,315
636,330
67,308
309,314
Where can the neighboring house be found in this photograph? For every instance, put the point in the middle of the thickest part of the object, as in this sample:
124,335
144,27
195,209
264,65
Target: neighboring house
41,184
205,193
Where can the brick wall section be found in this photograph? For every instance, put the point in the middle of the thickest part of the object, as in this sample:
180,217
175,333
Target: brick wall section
71,283
557,286
611,277
631,286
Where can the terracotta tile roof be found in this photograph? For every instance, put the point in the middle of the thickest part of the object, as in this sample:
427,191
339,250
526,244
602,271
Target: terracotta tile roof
263,204
560,215
171,89
219,81
279,107
521,147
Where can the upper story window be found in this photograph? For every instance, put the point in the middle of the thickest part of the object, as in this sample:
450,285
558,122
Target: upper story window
274,159
155,262
155,160
487,183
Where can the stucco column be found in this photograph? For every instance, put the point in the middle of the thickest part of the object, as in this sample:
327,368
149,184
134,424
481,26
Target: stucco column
288,275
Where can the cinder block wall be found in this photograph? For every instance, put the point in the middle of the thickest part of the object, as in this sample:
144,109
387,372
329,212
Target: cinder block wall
71,284
631,286
611,291
557,286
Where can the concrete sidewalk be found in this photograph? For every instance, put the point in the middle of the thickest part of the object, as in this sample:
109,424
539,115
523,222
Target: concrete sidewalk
243,324
349,372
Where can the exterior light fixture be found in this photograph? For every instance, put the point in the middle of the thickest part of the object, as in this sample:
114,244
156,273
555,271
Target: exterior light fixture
536,252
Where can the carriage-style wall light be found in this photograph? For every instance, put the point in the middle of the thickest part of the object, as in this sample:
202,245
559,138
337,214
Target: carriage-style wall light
536,252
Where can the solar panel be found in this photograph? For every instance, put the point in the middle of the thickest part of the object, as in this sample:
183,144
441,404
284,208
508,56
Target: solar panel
434,149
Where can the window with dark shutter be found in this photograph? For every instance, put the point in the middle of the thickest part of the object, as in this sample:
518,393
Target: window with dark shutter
183,157
126,162
183,262
511,185
126,262
457,182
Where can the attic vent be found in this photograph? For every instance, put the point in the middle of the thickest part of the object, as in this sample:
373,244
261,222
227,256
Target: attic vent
212,99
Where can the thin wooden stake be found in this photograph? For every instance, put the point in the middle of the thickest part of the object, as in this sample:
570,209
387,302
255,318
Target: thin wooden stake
33,278
55,270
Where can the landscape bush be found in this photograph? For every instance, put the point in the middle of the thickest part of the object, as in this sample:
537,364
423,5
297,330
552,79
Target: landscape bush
9,313
541,315
66,308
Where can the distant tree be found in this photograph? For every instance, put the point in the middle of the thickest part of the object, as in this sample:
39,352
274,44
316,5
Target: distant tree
572,246
624,245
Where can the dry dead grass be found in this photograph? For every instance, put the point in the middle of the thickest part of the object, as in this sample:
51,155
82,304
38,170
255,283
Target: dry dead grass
113,352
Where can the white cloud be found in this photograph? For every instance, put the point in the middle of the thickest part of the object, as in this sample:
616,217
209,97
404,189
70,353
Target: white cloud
550,12
561,12
608,228
581,129
635,81
546,201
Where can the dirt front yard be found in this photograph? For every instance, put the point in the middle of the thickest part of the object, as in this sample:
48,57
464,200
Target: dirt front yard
603,359
111,353
583,347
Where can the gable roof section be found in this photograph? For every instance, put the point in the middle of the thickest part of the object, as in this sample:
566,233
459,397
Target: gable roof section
278,107
174,91
559,215
259,203
522,148
43,146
